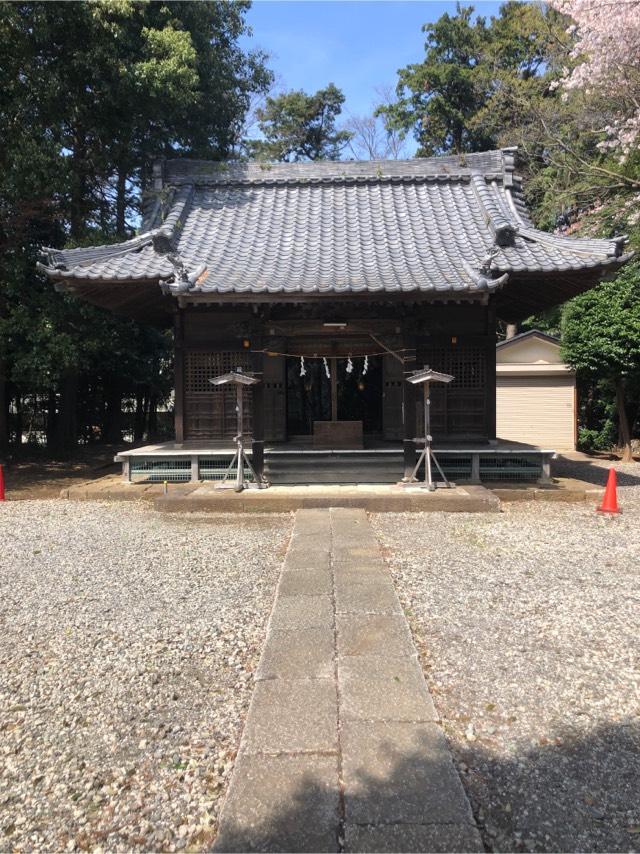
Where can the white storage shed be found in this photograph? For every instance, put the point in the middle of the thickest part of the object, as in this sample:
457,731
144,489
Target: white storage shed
535,392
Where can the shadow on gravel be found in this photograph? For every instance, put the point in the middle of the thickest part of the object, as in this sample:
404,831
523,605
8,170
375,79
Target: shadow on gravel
574,794
596,471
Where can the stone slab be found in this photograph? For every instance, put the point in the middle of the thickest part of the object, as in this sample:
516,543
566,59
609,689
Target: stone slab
367,599
383,689
282,499
292,715
281,803
400,790
400,772
305,582
411,838
355,553
347,578
302,612
357,565
374,634
298,654
311,537
304,559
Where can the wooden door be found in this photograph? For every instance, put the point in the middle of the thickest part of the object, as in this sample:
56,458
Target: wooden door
210,411
392,379
275,399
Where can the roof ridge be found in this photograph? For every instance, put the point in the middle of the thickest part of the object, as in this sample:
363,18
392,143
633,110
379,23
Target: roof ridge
503,228
496,163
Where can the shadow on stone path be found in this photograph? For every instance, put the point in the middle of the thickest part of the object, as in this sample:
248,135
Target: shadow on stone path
342,749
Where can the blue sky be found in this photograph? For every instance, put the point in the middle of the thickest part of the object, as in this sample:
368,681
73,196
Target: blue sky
357,44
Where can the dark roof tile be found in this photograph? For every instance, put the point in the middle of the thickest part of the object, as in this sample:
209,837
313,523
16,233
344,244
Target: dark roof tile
447,224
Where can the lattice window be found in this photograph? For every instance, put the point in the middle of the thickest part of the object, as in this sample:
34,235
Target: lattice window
466,363
458,408
210,411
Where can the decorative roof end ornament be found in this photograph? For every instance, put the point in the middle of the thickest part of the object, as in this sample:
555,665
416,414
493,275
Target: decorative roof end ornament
505,235
484,279
183,280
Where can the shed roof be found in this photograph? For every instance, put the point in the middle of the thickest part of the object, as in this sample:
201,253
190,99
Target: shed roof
445,227
530,333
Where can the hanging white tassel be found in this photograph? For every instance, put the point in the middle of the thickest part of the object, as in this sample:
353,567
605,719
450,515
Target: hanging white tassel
303,370
366,365
326,367
349,365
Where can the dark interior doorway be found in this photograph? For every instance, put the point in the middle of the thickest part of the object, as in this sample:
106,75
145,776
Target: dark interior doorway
359,395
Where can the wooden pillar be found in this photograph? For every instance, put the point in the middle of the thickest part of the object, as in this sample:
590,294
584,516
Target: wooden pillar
334,388
409,426
257,408
490,380
178,344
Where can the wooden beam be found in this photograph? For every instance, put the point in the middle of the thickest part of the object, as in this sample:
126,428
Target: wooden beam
490,376
178,411
409,400
256,361
334,388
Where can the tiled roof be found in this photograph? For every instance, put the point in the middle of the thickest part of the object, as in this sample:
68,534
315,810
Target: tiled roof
440,225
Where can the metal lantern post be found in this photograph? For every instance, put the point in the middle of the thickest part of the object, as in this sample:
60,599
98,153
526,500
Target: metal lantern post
240,459
424,378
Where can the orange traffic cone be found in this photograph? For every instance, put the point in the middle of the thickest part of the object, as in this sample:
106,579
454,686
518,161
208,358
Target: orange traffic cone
1,484
610,500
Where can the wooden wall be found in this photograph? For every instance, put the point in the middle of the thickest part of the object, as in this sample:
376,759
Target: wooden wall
457,339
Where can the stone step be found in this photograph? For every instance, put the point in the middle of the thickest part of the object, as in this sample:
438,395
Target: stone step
375,498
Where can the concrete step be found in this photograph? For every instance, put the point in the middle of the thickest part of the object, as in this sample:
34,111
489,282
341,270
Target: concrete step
281,499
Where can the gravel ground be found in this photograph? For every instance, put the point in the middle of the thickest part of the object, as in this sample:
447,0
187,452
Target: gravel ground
127,645
528,625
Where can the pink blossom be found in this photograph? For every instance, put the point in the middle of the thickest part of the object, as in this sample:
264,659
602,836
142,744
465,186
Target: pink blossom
607,48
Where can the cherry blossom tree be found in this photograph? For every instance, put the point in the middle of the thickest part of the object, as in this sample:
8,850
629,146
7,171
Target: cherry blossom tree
607,60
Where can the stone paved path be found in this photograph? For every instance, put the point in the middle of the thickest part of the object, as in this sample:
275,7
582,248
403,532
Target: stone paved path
341,750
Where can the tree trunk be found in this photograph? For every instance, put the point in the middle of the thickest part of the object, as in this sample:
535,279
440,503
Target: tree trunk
138,423
4,410
112,425
51,418
66,422
623,422
121,201
78,189
18,420
153,418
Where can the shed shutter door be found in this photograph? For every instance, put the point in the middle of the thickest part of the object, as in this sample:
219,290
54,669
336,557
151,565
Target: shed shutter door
538,410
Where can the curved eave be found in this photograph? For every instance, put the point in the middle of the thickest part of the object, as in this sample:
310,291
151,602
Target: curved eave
530,293
139,299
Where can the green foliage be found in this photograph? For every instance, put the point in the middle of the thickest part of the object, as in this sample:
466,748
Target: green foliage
601,328
601,340
486,83
549,321
90,94
297,126
459,97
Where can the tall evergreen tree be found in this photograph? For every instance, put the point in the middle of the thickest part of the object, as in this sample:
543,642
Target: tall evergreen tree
454,100
90,95
297,126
